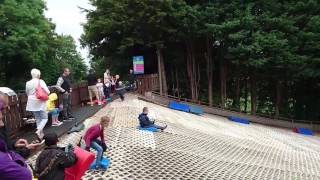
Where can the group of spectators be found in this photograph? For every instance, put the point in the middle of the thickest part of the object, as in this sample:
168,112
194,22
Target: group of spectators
41,108
110,84
52,160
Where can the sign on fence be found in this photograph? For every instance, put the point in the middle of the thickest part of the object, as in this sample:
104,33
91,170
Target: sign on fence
138,65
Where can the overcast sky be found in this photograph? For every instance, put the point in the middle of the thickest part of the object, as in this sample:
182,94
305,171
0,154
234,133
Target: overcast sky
68,18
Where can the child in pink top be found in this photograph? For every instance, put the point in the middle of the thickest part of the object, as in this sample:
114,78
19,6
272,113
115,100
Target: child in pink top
91,138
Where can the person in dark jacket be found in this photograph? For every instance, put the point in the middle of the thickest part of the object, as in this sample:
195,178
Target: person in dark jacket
12,165
145,121
119,88
64,86
92,88
20,146
132,80
52,161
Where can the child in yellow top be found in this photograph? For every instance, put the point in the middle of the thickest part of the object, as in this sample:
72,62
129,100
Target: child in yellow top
52,110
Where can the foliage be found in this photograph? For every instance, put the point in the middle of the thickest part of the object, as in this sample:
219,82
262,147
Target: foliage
268,49
27,40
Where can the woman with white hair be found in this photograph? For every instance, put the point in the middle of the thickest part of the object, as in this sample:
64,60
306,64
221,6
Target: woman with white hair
35,105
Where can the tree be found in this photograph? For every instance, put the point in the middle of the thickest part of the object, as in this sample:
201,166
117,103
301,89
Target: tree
28,40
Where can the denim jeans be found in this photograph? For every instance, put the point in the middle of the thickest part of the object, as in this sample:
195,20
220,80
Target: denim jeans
66,105
54,112
41,119
95,144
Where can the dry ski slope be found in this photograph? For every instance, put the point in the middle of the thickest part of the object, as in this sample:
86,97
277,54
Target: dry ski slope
200,147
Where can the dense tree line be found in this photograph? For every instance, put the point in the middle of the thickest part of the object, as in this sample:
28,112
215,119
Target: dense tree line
28,40
259,57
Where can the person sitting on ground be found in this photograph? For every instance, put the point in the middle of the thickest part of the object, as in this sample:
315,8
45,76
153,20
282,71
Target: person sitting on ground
91,139
52,110
12,165
52,161
145,121
20,146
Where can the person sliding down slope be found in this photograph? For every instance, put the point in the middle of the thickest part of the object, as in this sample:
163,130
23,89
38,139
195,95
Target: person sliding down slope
145,121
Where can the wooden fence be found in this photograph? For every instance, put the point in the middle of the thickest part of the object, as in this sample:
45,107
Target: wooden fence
148,82
16,112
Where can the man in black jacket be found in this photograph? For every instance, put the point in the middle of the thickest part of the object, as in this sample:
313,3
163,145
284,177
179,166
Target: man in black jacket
53,160
132,80
64,86
145,121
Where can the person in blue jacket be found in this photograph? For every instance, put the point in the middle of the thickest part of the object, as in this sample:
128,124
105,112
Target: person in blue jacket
145,121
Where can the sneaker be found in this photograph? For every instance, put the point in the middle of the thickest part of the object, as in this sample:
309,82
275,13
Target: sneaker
54,124
57,123
99,103
67,119
163,128
71,118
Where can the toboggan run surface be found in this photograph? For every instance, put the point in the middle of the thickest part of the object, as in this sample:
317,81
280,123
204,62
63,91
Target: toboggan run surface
199,147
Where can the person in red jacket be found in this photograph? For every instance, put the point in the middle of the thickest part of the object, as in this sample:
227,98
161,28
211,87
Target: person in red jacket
91,138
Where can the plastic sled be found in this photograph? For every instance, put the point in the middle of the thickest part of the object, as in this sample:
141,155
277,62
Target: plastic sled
196,110
77,128
239,120
104,163
304,131
151,129
76,171
179,106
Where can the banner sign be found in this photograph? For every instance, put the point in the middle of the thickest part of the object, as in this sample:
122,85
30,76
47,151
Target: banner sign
138,65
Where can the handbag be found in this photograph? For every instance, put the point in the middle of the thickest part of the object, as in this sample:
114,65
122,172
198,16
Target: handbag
41,93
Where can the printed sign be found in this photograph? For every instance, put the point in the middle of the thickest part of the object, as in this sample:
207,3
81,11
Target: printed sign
138,65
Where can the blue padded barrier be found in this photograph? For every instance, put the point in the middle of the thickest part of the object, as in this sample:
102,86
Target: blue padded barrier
179,106
196,109
304,131
239,120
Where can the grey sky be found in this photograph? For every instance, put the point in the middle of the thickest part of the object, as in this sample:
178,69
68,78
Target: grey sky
68,18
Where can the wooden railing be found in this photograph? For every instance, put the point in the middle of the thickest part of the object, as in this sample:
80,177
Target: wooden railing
16,111
148,82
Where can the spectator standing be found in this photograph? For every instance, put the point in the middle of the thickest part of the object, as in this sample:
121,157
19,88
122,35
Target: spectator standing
64,86
132,80
119,87
35,105
100,91
107,84
92,88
